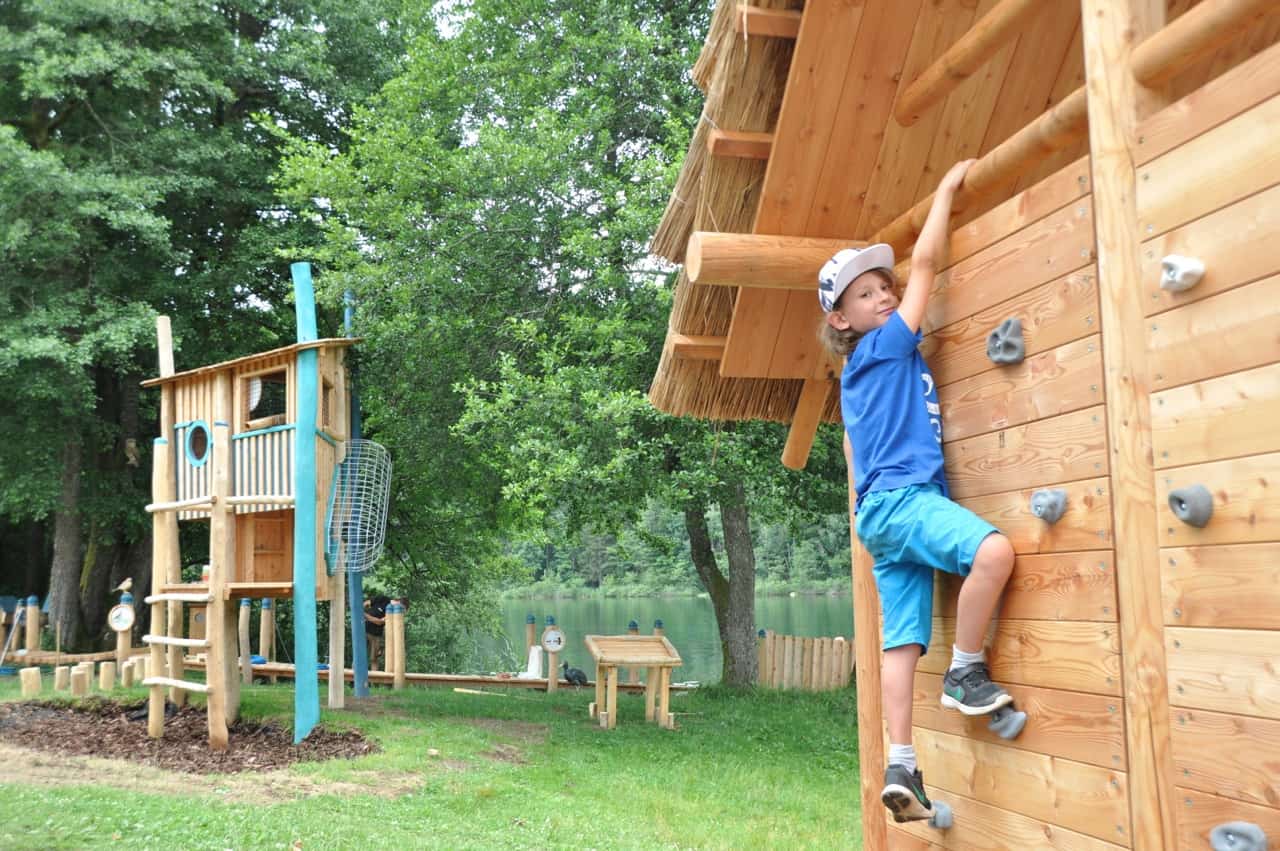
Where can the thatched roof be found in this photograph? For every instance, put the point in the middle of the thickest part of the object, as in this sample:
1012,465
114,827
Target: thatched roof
841,166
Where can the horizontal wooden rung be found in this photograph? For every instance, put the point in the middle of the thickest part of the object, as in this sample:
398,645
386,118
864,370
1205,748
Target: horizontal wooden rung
195,503
174,641
260,499
169,682
179,597
773,23
258,589
740,143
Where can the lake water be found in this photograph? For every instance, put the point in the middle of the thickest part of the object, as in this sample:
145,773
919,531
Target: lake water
689,623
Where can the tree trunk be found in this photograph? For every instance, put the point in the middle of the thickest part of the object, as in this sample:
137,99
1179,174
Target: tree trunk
715,583
64,578
740,637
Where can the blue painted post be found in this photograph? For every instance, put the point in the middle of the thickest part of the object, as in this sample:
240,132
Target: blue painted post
306,693
355,579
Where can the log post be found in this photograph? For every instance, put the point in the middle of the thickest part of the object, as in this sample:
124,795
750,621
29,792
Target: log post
62,678
31,684
866,633
267,633
33,624
242,633
1111,28
633,674
79,682
107,676
219,665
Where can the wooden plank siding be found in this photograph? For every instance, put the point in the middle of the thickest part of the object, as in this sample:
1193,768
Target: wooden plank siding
1235,756
1246,501
1084,798
1231,331
1199,813
1052,587
1086,525
1069,724
1227,416
1233,586
1074,655
980,826
1057,381
1226,670
1053,314
1215,369
1237,245
1039,454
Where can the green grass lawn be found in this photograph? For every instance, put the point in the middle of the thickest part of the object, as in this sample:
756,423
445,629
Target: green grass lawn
761,770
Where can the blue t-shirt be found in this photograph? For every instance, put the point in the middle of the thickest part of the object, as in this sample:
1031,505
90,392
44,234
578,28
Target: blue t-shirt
891,412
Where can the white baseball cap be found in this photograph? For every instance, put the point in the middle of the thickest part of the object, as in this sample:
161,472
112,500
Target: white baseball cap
848,263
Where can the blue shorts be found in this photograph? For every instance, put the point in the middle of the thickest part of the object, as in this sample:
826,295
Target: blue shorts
910,532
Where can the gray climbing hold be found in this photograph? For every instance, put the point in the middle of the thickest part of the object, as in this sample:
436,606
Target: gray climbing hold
1178,273
1007,722
1238,836
1049,504
1005,344
942,818
1192,505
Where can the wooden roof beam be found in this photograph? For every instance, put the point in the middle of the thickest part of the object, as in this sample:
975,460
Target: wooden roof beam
970,52
804,422
740,143
759,260
1196,33
1062,125
697,347
772,23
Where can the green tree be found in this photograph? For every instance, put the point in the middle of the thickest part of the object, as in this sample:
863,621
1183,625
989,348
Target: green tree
493,211
135,165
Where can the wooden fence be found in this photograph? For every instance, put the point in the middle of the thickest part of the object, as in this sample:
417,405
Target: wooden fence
813,664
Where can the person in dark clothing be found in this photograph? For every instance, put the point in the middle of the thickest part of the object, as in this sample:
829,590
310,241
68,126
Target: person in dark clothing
375,619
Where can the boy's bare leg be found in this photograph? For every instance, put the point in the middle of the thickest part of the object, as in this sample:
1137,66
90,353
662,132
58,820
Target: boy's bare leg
981,591
897,685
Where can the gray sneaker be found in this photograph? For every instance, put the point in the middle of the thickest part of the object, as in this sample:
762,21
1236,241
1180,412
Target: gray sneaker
904,794
970,690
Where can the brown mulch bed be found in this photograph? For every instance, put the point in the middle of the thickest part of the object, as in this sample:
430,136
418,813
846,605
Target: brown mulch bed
110,729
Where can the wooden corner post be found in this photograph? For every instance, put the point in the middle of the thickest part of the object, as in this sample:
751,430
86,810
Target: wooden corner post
220,672
1111,29
866,637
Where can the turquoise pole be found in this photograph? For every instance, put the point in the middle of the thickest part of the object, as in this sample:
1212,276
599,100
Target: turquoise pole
306,693
355,579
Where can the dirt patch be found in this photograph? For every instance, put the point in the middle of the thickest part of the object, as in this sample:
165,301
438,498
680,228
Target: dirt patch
103,728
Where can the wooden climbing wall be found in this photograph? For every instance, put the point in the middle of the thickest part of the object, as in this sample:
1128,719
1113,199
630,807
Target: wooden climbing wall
1209,188
1011,430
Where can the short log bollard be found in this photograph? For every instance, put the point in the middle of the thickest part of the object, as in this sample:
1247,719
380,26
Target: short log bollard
653,652
31,684
79,682
62,678
107,676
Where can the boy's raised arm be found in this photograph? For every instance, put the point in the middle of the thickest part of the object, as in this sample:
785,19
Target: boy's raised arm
931,247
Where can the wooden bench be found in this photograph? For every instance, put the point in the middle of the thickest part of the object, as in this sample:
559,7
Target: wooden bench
653,652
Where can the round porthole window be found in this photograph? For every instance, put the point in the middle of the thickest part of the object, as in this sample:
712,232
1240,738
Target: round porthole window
197,443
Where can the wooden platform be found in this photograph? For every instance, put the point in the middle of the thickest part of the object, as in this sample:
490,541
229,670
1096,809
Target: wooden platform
235,590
